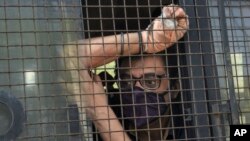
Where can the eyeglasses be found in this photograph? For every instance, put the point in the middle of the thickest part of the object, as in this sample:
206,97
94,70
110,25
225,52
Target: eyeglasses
149,81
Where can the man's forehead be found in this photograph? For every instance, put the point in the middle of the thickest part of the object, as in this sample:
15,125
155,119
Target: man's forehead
143,61
143,65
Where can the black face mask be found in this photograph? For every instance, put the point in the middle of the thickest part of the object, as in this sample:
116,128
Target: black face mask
140,107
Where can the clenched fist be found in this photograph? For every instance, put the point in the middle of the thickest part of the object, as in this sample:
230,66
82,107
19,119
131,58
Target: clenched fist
166,29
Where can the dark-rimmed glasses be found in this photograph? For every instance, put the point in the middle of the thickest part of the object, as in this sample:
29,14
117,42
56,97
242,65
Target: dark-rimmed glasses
149,81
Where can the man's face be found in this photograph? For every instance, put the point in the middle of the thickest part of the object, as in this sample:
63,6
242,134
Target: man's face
150,70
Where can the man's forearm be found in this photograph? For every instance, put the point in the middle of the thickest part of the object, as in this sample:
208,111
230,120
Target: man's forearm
107,124
102,50
94,52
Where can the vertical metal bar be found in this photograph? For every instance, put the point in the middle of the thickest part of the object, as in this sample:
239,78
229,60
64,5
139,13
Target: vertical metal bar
209,69
198,71
225,45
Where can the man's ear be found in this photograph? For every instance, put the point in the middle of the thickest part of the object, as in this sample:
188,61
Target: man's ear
175,90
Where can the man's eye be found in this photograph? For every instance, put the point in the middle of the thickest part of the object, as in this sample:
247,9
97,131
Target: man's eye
126,83
129,83
150,83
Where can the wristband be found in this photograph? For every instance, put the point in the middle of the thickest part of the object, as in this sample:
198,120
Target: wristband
122,43
141,46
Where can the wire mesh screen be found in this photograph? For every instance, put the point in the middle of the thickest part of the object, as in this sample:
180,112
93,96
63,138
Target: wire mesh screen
93,70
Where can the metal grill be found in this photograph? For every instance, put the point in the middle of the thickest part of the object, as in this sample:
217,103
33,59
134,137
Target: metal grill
52,50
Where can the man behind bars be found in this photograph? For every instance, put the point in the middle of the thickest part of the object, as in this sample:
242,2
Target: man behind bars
143,81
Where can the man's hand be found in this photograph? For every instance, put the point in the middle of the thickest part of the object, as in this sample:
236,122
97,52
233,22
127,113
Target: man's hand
165,30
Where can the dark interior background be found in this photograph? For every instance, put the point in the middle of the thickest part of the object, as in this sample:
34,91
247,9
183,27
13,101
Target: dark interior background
108,17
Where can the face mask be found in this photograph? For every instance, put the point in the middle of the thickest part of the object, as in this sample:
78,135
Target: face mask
141,107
